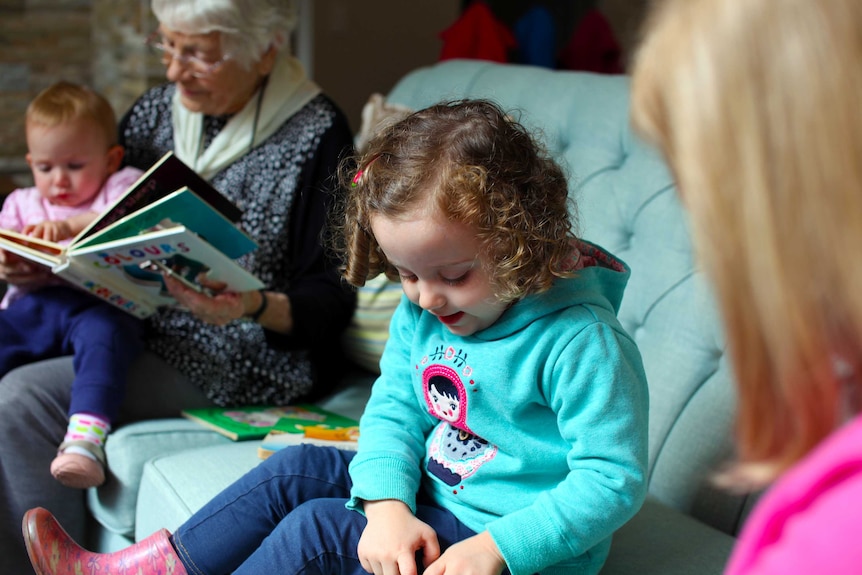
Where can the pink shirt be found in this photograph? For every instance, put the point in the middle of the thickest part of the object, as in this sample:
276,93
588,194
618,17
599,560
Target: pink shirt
810,521
26,206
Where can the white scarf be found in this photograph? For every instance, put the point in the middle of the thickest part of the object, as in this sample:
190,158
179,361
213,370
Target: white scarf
286,92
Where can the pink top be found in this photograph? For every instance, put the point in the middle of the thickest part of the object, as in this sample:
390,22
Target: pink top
26,206
810,521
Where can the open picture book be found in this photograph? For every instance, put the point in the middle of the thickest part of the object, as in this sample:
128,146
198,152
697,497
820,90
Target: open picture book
169,222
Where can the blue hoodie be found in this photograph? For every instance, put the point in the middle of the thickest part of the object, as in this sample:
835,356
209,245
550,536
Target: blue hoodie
534,429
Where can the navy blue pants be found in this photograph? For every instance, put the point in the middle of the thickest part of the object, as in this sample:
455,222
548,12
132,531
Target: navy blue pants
287,516
56,321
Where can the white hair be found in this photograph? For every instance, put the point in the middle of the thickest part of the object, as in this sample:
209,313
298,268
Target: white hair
248,28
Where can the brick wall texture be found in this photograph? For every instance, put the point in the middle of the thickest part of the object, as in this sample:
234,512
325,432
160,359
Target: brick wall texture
99,43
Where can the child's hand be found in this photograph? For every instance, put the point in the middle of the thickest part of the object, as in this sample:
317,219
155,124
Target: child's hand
17,271
389,543
477,555
51,231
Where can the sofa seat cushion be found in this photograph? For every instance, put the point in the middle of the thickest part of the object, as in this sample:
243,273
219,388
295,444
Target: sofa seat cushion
127,449
660,540
176,485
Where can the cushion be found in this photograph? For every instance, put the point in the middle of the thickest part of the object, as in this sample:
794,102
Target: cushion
174,486
657,541
127,449
662,541
365,337
377,113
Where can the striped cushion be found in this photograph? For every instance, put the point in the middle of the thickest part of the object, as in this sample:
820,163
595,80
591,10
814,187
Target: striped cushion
366,336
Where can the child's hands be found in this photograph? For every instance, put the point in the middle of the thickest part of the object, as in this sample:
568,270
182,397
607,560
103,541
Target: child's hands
17,271
52,231
60,230
477,555
389,543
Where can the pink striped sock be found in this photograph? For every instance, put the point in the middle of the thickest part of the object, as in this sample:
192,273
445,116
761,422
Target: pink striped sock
87,427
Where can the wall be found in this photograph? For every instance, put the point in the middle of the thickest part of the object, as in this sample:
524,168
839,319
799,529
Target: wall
101,43
364,47
40,41
95,42
626,18
356,49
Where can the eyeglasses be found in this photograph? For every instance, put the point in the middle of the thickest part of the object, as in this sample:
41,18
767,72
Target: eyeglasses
198,67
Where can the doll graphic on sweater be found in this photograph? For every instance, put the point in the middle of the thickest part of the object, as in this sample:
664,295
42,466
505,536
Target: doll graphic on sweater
454,452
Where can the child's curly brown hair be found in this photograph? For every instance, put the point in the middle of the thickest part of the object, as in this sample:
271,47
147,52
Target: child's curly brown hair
484,170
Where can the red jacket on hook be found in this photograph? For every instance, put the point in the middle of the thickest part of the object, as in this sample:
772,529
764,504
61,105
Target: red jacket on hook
479,35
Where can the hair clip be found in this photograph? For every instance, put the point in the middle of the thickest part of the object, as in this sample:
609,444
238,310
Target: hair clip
360,173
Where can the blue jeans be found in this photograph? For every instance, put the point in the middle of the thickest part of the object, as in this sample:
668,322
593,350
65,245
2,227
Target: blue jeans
287,516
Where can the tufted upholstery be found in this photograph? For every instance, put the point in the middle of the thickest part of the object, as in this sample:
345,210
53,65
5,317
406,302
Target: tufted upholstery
627,203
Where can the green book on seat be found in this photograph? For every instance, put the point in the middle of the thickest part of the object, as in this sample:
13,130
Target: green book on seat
255,422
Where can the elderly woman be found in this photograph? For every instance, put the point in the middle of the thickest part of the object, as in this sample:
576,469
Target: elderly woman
240,111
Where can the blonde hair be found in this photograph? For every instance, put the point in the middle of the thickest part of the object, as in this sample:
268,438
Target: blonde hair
65,102
481,168
248,28
755,105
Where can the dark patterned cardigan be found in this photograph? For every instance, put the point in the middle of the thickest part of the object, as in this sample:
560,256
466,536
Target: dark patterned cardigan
284,187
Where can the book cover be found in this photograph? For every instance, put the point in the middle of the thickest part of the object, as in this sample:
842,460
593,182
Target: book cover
129,273
166,176
255,422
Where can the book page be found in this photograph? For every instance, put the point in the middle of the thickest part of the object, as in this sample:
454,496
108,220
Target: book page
134,302
32,249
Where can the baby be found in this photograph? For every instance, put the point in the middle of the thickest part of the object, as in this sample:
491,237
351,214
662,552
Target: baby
75,161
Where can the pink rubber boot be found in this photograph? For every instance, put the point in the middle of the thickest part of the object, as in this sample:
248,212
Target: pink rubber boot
53,552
